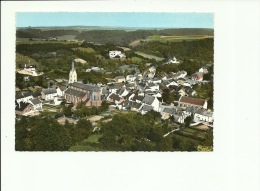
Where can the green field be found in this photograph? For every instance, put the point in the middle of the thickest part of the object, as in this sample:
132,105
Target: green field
176,38
89,144
46,42
149,56
88,50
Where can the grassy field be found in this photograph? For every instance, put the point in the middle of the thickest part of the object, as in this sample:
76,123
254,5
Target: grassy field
92,139
46,42
149,56
22,60
88,50
176,38
87,144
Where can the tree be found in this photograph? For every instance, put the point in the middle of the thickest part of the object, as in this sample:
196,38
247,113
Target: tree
167,96
188,121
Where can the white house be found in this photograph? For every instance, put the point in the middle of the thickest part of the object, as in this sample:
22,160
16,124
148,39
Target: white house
203,115
151,101
173,61
116,54
60,91
203,70
36,103
49,94
24,97
130,78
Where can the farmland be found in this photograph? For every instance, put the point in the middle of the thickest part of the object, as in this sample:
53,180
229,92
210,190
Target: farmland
176,38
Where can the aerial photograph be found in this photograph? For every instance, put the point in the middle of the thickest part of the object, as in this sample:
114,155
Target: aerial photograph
114,81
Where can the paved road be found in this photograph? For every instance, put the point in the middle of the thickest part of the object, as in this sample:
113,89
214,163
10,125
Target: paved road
171,132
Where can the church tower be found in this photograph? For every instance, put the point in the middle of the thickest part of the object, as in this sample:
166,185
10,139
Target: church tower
73,74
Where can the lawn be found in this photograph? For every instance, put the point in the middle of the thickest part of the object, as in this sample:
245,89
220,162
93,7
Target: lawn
87,50
149,56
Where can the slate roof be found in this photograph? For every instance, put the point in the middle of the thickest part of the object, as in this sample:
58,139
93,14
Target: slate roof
88,87
148,99
193,101
22,95
36,94
62,88
76,93
21,106
114,97
147,108
169,110
49,91
120,91
35,101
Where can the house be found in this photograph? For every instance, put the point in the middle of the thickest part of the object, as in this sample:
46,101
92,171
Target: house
152,86
180,74
119,79
36,103
26,78
122,92
114,98
116,54
151,101
203,115
203,70
24,97
30,68
22,108
61,90
89,94
198,76
146,108
49,94
190,101
132,105
173,61
130,78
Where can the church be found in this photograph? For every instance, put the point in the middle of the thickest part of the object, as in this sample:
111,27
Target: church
88,94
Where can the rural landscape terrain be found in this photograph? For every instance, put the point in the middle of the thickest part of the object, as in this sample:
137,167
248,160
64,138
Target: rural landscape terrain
88,88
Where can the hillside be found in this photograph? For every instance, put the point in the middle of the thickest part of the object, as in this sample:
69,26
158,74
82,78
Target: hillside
122,37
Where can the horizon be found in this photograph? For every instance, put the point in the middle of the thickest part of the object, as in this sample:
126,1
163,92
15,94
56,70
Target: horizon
115,19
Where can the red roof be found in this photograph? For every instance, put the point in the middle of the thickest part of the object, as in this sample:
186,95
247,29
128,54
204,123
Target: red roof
193,101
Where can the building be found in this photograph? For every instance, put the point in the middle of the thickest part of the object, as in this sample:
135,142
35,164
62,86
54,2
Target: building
151,101
89,94
36,103
119,79
116,54
190,101
49,94
73,74
198,76
22,108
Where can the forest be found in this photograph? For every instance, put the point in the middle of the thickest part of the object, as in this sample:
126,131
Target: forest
125,132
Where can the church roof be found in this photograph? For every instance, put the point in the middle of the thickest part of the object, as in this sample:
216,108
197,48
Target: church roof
88,87
193,101
75,92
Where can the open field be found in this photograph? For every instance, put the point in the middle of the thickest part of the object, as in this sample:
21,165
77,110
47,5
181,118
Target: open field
176,38
46,42
149,56
87,50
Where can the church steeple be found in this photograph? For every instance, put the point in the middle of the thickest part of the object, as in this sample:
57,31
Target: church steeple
73,73
72,65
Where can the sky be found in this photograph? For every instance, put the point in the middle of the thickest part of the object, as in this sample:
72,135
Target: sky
115,19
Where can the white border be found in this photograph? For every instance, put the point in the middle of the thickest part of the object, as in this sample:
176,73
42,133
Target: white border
234,164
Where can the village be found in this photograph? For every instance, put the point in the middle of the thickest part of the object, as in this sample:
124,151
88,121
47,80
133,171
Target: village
139,92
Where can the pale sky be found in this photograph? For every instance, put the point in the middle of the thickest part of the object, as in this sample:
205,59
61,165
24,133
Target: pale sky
115,19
